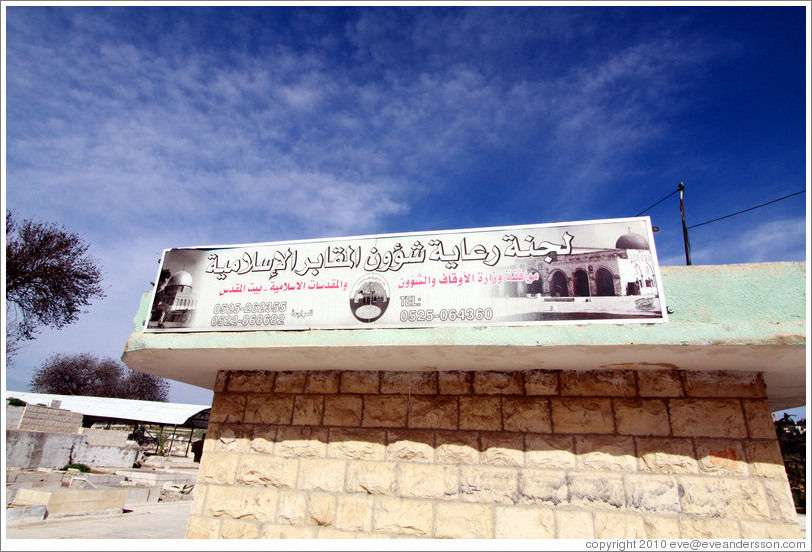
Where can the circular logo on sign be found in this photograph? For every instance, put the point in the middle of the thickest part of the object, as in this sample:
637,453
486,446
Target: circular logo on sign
369,298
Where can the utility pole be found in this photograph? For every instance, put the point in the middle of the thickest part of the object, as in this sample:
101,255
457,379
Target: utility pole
681,189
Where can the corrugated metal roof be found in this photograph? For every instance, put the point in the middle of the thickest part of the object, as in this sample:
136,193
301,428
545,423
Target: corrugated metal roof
120,409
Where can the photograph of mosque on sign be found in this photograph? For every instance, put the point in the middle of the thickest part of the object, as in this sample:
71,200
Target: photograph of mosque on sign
590,283
175,301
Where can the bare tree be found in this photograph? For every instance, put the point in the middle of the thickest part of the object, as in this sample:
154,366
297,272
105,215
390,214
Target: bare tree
85,374
49,278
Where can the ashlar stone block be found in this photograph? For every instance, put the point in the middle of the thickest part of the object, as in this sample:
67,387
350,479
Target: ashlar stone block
227,408
758,415
357,444
268,471
457,447
354,513
598,383
202,527
250,381
659,527
724,384
292,508
779,498
410,446
290,382
721,457
543,487
379,478
269,409
262,440
385,411
498,383
652,494
232,438
526,414
769,530
666,455
514,522
287,532
434,412
697,528
239,529
308,410
301,442
707,418
363,382
574,524
221,381
596,490
403,516
659,383
502,449
321,509
321,474
343,410
582,415
541,382
613,525
730,498
244,503
322,381
480,413
606,453
409,383
642,417
463,521
218,468
428,481
455,382
765,459
489,484
555,452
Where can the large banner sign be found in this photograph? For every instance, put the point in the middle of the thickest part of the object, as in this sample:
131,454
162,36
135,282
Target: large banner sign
596,271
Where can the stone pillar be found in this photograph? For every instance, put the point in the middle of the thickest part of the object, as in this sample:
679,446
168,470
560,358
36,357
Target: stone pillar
532,454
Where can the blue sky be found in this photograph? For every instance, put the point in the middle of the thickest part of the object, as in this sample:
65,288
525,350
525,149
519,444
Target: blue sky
145,128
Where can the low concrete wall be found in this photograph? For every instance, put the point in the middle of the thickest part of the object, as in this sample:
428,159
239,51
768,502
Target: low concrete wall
51,420
68,502
104,437
13,415
35,449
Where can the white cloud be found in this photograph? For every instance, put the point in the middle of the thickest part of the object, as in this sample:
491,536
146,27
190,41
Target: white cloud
759,242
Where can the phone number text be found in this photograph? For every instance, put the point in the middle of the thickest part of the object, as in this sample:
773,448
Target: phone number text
451,315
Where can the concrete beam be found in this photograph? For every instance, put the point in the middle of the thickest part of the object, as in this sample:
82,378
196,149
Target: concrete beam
747,317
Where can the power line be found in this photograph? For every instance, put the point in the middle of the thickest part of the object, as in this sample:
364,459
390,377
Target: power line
745,210
663,199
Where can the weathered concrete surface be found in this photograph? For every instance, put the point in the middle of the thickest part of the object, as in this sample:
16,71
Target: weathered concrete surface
13,415
745,317
67,502
158,520
34,449
25,514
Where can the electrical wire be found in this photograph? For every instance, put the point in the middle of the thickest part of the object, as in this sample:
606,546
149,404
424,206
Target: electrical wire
663,199
746,210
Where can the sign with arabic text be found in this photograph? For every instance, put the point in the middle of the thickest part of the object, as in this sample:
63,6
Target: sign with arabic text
576,272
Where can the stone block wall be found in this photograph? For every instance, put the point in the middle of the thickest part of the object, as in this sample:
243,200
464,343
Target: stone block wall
107,437
533,454
50,420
